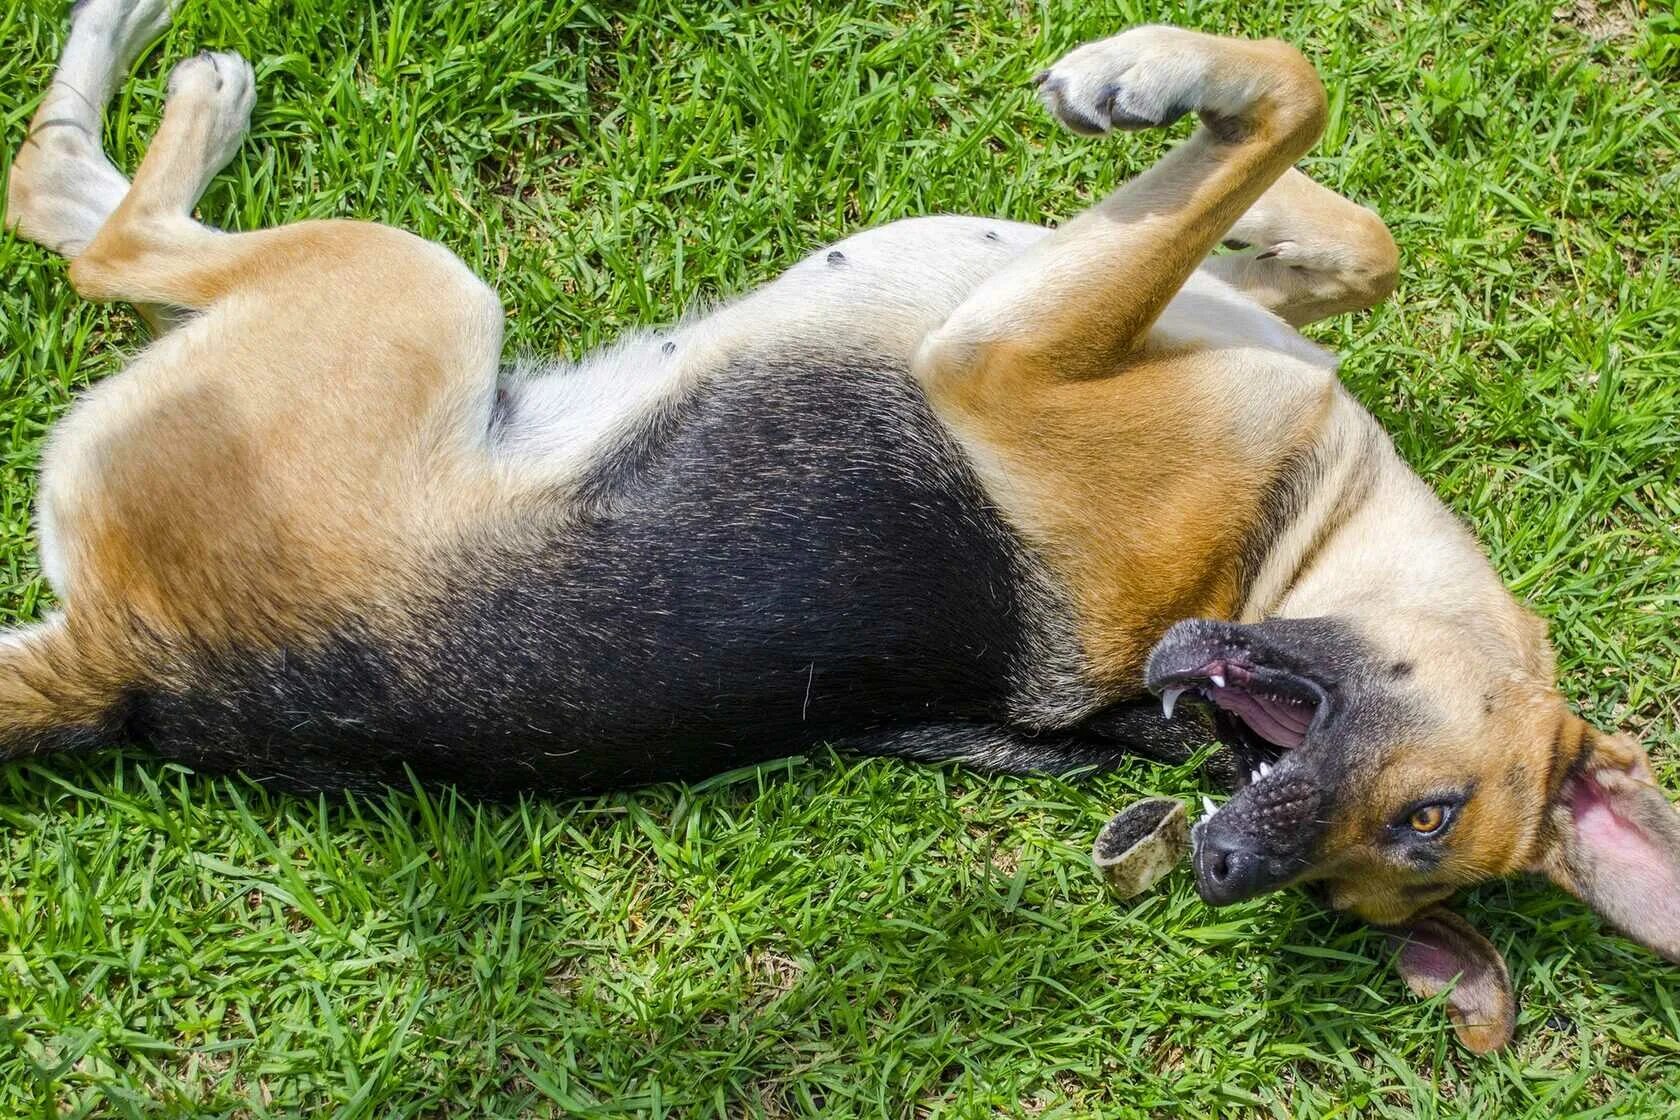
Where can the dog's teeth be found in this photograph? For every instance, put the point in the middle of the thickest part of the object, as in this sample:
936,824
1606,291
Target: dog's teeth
1169,699
1208,806
1218,680
1265,769
1253,777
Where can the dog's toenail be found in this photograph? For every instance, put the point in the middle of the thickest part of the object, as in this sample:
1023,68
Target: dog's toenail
836,257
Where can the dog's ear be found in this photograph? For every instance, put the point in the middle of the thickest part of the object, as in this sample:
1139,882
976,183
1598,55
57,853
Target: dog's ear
1440,951
1616,843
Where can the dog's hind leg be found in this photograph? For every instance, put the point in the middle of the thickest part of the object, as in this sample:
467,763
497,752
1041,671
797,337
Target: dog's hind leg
334,392
367,279
1308,253
303,328
62,187
150,249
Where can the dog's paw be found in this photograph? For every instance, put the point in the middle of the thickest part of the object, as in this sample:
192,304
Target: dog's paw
1143,78
124,27
1150,76
221,87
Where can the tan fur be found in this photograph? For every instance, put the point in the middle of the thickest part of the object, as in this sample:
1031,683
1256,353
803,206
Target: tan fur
1124,484
1083,298
54,680
209,452
1319,254
264,446
1500,831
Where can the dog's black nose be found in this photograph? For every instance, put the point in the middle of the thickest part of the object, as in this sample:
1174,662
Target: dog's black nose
1261,839
1229,871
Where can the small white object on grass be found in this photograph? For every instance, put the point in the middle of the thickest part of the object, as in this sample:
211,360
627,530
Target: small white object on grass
1142,842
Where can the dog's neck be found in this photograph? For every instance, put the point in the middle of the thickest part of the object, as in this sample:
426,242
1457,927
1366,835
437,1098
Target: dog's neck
1373,540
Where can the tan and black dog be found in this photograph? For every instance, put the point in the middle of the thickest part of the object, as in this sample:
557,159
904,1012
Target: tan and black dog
952,488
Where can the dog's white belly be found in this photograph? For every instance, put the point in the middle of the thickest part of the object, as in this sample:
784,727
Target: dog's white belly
879,291
883,289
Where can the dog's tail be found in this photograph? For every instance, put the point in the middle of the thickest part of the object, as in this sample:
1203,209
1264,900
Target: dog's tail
56,691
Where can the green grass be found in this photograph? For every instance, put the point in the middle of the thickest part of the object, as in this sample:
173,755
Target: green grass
834,936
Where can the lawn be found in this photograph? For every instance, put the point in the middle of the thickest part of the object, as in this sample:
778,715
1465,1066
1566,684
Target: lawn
833,935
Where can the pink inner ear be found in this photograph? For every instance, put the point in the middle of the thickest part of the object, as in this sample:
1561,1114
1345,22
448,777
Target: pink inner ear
1438,947
1642,868
1432,961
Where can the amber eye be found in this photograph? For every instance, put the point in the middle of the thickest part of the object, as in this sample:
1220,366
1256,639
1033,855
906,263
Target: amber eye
1429,819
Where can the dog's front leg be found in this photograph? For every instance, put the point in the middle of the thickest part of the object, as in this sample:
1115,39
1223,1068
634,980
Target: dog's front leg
1077,303
1308,253
1128,465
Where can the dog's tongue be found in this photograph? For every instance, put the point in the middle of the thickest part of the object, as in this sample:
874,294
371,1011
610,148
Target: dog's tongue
1280,720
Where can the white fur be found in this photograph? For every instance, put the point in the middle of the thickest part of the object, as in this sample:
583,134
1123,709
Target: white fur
1207,313
889,287
1148,73
72,186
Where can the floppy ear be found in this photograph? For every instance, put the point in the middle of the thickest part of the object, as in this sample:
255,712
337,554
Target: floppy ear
1616,844
1439,951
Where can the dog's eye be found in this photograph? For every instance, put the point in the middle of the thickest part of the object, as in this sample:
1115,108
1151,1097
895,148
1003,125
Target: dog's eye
1429,819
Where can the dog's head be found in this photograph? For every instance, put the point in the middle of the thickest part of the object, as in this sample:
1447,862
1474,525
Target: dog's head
1394,761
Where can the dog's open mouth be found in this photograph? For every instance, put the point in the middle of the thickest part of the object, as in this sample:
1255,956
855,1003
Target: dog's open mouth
1277,691
1258,712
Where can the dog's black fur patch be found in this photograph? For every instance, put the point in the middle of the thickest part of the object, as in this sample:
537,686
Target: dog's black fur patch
795,553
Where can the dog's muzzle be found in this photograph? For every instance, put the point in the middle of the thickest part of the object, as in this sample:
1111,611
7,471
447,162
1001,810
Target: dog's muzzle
1262,839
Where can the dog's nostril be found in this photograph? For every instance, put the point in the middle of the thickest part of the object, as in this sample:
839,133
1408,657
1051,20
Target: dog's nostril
1228,869
1220,866
1234,869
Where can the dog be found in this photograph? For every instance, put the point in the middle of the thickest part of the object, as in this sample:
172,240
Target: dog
952,488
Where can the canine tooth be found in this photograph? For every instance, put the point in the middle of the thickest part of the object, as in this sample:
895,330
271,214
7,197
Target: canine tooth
1218,680
1265,769
1253,776
1208,806
1169,699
